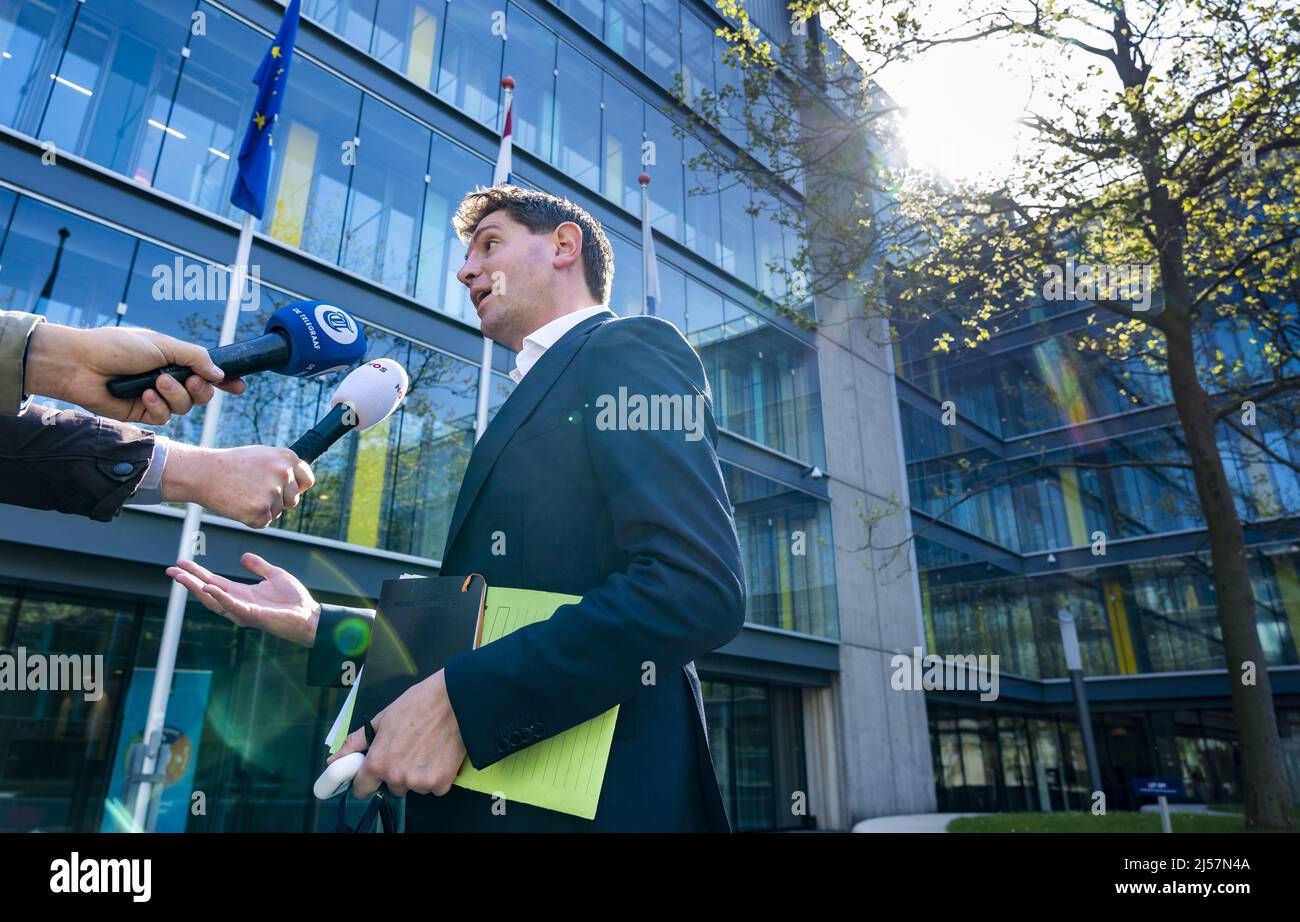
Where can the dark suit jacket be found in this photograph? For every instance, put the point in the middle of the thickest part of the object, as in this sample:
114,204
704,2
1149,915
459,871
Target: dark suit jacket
636,522
71,462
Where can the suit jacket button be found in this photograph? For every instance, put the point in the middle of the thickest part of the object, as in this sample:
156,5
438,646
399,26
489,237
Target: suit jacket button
123,468
537,728
502,745
515,738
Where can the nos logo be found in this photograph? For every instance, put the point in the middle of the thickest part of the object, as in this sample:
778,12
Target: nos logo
337,325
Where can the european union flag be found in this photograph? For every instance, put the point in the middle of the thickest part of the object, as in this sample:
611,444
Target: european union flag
272,78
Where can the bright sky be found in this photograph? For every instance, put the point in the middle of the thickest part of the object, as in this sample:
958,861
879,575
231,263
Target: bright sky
962,101
960,109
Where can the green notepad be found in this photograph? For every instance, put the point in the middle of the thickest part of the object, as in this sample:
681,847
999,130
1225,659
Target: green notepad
563,772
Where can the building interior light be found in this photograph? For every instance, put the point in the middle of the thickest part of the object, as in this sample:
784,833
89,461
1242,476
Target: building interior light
70,85
222,154
171,131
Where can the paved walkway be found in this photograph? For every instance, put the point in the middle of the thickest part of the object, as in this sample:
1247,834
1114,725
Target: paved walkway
1187,808
938,822
915,822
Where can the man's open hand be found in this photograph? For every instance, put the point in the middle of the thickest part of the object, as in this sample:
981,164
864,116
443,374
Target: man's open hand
417,746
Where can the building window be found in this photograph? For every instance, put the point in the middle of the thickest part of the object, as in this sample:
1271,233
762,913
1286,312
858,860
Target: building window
590,14
382,236
788,553
35,35
470,68
351,20
406,37
214,99
530,61
452,172
756,741
666,173
662,41
624,29
113,87
624,121
577,118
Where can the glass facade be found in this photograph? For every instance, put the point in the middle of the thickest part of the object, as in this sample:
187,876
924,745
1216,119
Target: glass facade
789,557
1055,449
988,760
756,739
159,95
1148,617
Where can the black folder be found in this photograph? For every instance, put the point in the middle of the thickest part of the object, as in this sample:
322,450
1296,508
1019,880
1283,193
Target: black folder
419,625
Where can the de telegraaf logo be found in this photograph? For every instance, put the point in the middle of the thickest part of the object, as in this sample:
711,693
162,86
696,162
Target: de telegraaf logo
337,325
103,875
656,413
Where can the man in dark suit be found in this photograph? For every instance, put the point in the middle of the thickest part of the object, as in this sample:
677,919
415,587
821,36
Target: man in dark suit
598,477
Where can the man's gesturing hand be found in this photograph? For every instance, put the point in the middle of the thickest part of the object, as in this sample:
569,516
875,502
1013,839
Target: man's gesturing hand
279,604
417,746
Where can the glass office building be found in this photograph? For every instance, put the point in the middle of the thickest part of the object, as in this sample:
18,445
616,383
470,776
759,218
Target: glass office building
120,122
996,568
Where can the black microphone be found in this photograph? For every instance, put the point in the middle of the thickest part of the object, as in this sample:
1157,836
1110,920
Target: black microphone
367,396
301,339
335,424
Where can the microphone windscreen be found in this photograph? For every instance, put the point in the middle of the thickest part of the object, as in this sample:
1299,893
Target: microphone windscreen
322,337
374,391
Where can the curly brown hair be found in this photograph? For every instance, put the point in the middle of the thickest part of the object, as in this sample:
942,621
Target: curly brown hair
542,212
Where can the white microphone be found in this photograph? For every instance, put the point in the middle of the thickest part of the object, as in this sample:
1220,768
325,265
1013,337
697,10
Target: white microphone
367,396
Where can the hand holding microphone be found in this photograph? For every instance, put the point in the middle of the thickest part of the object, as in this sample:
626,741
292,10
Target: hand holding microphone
254,484
302,339
73,364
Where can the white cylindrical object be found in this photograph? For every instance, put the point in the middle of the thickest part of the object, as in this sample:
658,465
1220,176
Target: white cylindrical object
1070,639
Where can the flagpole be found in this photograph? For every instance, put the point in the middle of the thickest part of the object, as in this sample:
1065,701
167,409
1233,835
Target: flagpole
500,175
249,195
649,265
171,635
484,383
644,180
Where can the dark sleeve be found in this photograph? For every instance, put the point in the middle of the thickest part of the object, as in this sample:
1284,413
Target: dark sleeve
71,462
681,594
342,637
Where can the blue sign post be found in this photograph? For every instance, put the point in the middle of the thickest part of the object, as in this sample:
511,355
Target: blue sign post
1161,789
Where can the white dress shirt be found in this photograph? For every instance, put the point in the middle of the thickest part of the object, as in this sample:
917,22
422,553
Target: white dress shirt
544,337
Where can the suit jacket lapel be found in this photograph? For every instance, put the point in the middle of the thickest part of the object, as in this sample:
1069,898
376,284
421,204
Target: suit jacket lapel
526,395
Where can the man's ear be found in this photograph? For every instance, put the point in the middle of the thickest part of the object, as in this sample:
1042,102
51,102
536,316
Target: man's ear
567,238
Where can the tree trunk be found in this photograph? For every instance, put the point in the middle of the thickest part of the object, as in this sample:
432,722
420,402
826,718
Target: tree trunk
1267,793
